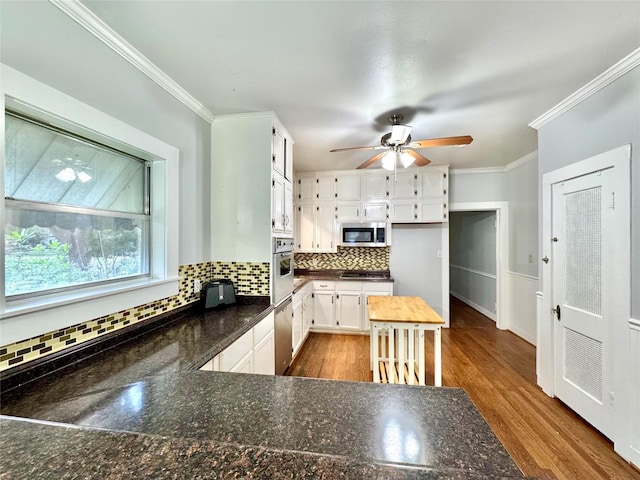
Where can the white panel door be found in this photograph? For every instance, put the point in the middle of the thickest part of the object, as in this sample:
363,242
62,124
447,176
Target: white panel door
277,209
324,228
375,186
584,218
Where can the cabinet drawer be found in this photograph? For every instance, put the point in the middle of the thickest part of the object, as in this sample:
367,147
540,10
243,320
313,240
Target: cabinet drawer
263,328
378,286
324,285
236,351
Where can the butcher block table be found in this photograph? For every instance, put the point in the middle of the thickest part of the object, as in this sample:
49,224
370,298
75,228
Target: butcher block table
397,337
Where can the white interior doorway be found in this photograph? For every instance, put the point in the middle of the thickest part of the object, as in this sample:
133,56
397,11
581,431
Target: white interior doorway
486,211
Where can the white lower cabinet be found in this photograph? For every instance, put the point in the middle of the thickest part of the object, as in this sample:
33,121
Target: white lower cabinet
348,306
342,306
324,312
302,317
253,352
297,324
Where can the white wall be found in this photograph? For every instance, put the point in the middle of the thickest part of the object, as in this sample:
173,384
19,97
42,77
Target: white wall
415,265
522,193
37,39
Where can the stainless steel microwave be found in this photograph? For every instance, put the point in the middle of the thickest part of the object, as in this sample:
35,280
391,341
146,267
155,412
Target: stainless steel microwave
363,234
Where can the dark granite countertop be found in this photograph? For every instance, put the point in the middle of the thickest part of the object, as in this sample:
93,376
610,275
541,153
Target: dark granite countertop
433,429
147,412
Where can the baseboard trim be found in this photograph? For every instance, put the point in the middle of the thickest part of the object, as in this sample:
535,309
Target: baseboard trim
475,306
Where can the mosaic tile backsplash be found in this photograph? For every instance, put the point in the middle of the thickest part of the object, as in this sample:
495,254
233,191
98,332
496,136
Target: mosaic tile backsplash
249,278
347,258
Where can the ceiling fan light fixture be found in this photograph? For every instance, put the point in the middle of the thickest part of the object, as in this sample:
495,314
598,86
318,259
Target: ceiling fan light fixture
399,134
84,177
389,160
405,159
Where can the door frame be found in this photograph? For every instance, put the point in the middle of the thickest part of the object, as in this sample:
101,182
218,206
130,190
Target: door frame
619,159
502,252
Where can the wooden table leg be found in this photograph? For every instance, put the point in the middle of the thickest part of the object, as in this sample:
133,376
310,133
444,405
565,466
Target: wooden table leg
437,347
374,352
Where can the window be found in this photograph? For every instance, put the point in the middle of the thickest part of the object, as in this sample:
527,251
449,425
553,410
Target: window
77,213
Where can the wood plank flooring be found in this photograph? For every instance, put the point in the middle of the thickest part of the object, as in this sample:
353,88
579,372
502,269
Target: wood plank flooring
497,369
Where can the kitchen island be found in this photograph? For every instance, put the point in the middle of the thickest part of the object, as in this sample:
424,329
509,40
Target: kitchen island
143,410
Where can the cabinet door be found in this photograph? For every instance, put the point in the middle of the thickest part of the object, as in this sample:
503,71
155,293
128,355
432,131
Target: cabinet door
347,212
404,212
307,312
347,187
375,186
375,212
278,151
324,188
433,184
433,211
305,224
348,316
264,356
234,353
405,185
297,327
323,309
245,365
306,188
287,201
277,209
324,230
288,159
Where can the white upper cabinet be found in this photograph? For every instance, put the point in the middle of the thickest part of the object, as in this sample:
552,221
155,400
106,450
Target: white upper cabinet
404,185
347,187
277,209
288,159
375,186
305,189
375,211
348,212
315,227
278,150
433,184
324,188
288,208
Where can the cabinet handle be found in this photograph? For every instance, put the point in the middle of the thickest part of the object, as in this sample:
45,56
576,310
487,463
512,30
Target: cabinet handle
323,285
331,243
337,296
331,298
357,212
358,300
365,212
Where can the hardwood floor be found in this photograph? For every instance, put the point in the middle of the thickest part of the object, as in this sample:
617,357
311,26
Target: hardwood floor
497,369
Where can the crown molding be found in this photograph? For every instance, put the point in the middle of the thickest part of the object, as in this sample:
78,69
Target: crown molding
94,25
522,160
628,63
515,164
464,171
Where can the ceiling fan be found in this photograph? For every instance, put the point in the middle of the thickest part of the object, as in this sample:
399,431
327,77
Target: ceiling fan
398,146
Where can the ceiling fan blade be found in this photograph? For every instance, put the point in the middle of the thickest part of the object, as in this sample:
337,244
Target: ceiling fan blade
418,159
376,147
372,160
442,142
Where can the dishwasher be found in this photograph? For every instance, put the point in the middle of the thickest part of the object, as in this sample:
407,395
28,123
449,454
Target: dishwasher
283,343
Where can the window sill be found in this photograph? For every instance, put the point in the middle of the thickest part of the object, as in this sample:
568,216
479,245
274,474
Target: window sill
35,316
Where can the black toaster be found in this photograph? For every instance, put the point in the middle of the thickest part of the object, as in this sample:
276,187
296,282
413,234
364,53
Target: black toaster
217,292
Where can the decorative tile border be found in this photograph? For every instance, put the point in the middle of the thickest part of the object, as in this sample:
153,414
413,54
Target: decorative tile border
249,279
347,258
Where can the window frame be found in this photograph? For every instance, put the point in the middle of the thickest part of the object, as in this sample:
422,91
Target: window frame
24,318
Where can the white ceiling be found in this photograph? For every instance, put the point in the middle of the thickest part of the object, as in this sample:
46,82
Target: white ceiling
334,71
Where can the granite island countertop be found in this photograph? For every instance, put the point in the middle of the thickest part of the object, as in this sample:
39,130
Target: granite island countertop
143,410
